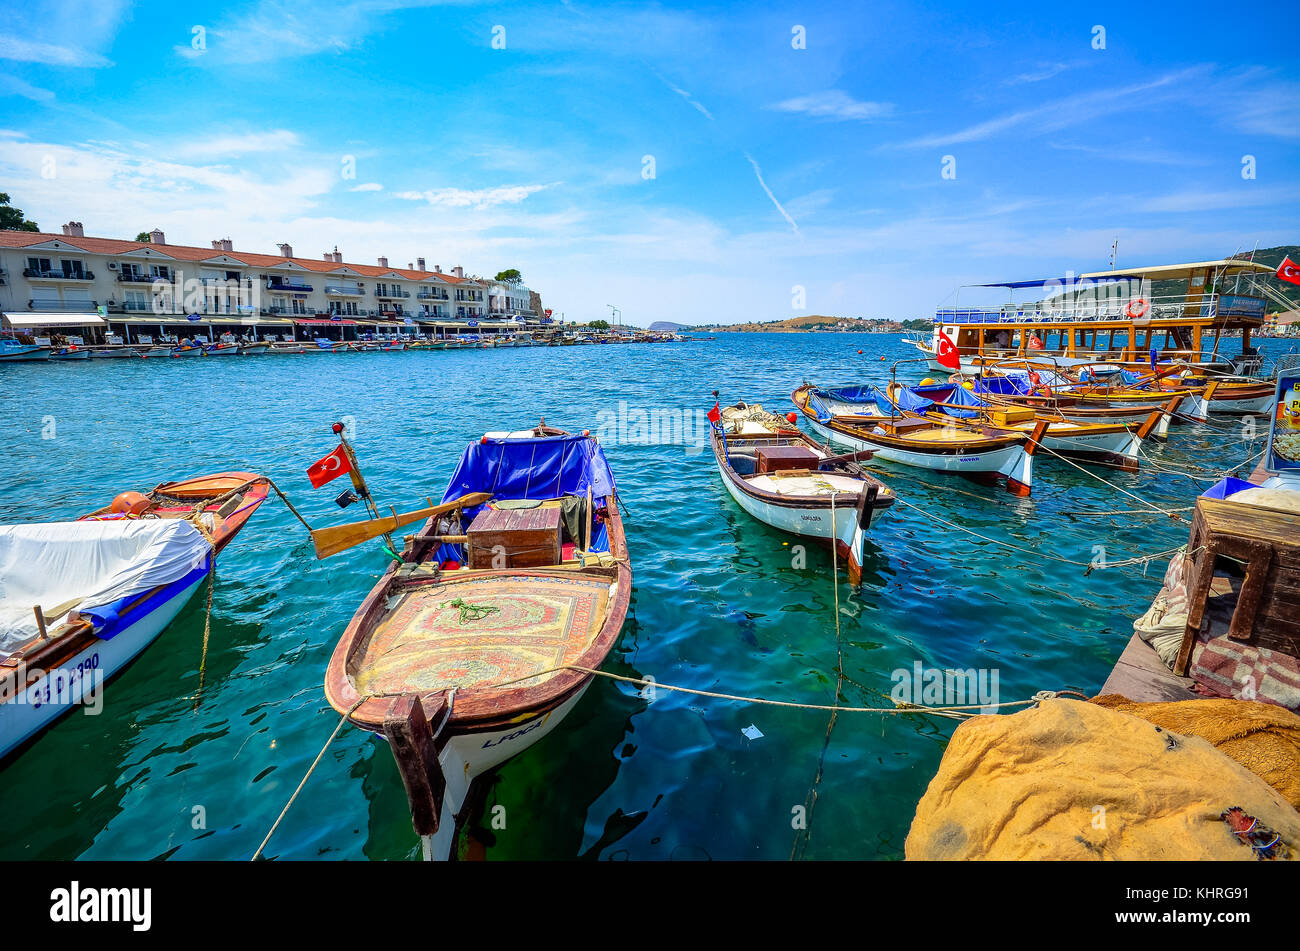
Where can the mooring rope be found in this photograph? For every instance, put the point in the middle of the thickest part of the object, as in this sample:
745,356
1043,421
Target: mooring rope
804,835
1117,488
316,762
207,630
956,711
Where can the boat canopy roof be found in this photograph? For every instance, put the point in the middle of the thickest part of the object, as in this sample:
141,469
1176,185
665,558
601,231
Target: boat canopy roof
1173,272
545,467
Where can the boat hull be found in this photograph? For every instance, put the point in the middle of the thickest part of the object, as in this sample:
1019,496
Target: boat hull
82,676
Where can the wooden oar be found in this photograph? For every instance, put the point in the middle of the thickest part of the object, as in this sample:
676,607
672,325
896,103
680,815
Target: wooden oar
337,538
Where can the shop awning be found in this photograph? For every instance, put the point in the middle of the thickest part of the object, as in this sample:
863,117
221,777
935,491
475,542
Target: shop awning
327,323
25,321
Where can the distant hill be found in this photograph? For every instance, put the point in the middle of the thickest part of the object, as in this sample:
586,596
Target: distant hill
816,322
668,325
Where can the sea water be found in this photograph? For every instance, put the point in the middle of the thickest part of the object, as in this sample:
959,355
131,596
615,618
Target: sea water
721,603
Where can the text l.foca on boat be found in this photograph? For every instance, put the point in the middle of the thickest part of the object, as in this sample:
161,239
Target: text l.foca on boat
783,478
463,654
80,600
849,416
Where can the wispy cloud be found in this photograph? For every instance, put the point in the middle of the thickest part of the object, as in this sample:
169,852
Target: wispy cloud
474,197
276,140
367,187
50,54
758,173
1043,72
835,104
1247,195
13,86
1062,113
687,96
1132,152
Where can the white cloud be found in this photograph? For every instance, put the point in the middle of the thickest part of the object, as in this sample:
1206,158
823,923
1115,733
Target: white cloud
12,85
367,187
1044,72
474,197
835,104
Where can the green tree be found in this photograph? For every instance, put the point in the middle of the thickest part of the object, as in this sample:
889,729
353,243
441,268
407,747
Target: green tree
11,218
509,276
143,236
598,324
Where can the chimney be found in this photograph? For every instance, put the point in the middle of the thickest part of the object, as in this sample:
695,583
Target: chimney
420,262
73,229
410,266
338,255
223,244
437,269
458,271
157,237
286,251
383,262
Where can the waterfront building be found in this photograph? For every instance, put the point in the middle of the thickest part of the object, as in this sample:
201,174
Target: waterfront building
109,288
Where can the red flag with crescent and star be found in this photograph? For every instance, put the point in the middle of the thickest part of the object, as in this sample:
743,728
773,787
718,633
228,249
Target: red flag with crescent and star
947,354
1288,271
331,467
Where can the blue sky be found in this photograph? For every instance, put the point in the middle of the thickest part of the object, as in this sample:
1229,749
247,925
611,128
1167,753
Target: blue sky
774,167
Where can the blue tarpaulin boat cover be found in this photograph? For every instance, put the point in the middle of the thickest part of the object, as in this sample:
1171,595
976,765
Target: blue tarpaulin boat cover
909,401
547,467
963,397
1003,385
852,394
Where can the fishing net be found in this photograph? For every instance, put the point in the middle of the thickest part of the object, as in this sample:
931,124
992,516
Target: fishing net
1074,780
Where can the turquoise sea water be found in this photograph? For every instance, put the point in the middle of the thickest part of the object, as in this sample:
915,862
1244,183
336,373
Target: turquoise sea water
718,605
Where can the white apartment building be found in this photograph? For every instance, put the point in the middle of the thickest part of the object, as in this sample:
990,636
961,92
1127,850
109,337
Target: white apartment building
120,285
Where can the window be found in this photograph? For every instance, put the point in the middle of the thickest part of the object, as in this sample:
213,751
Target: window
299,305
138,301
72,268
160,272
39,266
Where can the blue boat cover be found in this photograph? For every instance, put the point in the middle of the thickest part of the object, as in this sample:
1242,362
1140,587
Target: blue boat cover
1003,385
865,393
819,408
963,397
907,400
548,467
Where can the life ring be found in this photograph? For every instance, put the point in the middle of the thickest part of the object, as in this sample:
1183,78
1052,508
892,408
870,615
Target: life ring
1137,308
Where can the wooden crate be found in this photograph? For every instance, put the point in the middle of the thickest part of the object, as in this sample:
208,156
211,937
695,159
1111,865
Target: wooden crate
779,458
1266,545
515,538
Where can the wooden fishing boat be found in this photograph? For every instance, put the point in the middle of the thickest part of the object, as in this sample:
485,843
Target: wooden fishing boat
221,350
1105,444
458,655
113,353
255,349
69,353
785,479
394,346
187,350
288,347
1014,389
980,454
80,600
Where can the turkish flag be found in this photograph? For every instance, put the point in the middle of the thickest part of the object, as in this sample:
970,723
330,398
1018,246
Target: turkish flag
947,354
1288,271
715,417
331,467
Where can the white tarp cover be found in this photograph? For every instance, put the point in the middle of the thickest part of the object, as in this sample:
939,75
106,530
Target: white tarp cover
52,563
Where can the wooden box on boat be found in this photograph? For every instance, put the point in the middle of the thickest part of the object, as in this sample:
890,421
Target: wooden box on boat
515,538
782,458
1266,613
1009,415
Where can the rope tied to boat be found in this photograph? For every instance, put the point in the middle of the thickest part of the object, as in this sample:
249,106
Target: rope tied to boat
470,612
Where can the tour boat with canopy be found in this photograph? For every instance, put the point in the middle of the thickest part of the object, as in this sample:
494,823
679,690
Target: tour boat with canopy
1182,312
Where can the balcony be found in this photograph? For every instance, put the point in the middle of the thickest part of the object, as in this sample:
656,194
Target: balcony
71,307
288,284
432,295
395,294
125,278
39,275
345,290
